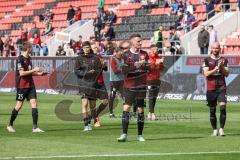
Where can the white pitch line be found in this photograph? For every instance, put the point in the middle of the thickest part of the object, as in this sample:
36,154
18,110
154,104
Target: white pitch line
122,155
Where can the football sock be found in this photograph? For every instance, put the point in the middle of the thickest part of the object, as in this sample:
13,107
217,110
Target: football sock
125,121
35,117
152,101
111,100
140,123
13,116
213,118
222,116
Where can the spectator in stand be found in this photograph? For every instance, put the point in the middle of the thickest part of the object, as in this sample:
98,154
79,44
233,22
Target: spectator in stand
101,8
48,15
36,45
19,45
7,47
158,39
212,35
75,45
79,41
105,17
70,15
189,21
175,7
98,25
69,51
107,32
1,46
174,39
44,50
34,31
78,14
203,40
111,17
60,51
189,7
48,27
210,12
24,35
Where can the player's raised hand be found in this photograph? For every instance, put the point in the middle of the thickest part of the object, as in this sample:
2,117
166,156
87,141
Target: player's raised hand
37,69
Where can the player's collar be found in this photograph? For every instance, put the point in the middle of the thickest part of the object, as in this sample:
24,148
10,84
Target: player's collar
132,51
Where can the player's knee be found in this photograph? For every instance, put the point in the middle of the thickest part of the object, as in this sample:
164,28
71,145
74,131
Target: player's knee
222,105
126,116
223,109
140,109
141,116
33,103
126,107
212,111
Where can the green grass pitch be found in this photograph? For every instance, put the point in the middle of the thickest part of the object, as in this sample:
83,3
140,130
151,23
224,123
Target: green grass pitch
182,133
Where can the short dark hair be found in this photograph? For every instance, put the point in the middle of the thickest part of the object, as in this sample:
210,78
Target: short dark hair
134,35
86,43
26,46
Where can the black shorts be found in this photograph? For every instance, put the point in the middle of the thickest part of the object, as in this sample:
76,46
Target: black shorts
136,96
153,91
215,97
89,97
101,92
29,93
117,86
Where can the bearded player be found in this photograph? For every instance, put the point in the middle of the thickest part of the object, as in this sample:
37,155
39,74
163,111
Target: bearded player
215,69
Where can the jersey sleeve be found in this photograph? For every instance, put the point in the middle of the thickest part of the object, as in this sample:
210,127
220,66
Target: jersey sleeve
205,63
225,64
20,63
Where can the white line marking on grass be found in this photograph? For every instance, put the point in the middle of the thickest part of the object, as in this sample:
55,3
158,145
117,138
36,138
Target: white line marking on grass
122,155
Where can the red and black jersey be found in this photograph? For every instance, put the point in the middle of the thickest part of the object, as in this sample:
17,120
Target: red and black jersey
135,77
25,64
154,73
216,80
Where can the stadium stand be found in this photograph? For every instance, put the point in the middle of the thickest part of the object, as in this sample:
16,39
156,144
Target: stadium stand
131,17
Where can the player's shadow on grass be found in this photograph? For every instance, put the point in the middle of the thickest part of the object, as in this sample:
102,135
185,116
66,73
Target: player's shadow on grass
64,129
233,134
172,138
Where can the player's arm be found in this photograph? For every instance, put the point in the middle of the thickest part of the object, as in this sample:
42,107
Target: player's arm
224,68
145,64
97,67
41,73
206,71
79,70
30,72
